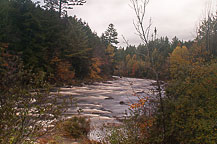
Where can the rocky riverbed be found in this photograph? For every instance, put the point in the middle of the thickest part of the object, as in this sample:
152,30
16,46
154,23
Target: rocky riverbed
106,102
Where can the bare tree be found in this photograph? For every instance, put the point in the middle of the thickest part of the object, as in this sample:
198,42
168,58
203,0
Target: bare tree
62,5
139,7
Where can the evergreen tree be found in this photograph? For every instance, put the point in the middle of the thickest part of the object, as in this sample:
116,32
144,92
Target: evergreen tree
207,33
62,5
110,35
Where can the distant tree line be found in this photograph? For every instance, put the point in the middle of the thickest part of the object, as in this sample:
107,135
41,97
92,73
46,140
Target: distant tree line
132,61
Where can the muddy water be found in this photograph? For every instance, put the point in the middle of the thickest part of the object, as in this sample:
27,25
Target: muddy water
105,102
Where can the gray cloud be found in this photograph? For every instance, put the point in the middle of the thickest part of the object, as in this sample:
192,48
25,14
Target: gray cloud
171,17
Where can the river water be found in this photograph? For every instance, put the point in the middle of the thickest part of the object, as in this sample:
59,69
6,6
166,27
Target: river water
106,102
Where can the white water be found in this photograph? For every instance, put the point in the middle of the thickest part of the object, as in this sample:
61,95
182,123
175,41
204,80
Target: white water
106,102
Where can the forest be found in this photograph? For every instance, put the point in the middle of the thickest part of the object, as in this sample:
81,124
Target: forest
41,47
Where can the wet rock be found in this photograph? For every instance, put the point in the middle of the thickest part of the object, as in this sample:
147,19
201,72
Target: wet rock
107,82
122,103
69,86
141,92
109,98
104,102
155,83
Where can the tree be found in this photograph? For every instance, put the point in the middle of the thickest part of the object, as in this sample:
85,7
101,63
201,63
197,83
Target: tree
110,35
64,72
62,5
76,47
43,40
26,108
179,62
128,61
207,33
95,68
109,51
190,101
139,7
135,66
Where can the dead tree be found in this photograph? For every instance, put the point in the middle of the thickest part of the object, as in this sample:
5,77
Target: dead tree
62,5
139,7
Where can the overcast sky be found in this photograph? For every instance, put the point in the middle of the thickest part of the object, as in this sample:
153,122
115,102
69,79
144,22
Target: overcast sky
171,17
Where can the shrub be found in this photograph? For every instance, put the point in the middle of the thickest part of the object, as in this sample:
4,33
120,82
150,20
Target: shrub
26,108
75,127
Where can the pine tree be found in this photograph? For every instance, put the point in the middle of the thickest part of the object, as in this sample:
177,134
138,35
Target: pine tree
111,36
62,5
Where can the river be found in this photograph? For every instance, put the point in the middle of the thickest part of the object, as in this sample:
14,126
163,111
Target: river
106,102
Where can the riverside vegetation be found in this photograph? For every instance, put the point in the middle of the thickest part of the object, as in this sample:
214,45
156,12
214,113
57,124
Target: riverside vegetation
40,47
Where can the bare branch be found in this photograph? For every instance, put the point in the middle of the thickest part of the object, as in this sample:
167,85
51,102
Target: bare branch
148,29
139,7
125,41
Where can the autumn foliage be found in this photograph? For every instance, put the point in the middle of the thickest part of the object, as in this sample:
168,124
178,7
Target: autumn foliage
190,100
95,68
